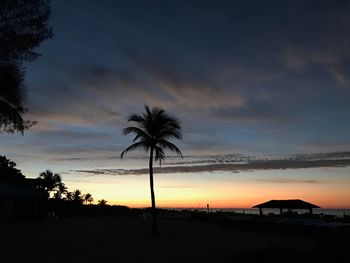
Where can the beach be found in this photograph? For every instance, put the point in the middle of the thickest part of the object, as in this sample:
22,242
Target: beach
126,239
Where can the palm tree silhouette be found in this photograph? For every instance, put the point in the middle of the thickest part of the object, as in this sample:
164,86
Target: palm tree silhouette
76,197
102,202
49,181
152,130
88,198
60,191
11,98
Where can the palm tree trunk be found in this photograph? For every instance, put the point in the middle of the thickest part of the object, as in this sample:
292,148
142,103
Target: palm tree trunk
153,200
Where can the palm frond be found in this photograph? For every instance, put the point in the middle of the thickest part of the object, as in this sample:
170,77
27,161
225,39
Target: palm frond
46,174
57,179
159,155
170,146
136,118
10,115
134,146
11,79
169,133
138,131
148,111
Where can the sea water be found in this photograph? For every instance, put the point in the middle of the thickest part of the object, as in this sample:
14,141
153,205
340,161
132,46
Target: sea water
266,211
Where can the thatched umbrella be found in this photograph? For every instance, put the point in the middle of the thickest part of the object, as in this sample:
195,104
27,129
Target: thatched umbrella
288,204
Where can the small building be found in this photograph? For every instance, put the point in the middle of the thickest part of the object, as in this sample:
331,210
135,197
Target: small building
289,204
19,200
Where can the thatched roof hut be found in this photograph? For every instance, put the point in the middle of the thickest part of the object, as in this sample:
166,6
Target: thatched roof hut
286,204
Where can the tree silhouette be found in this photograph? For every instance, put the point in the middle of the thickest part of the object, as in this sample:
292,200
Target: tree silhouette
102,202
88,198
152,130
8,171
23,26
69,196
49,181
76,197
11,98
61,190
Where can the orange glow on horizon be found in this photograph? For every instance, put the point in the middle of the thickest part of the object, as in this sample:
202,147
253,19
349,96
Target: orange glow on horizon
220,190
225,204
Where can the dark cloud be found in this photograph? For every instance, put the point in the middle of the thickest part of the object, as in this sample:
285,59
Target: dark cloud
254,112
242,76
228,167
289,181
71,135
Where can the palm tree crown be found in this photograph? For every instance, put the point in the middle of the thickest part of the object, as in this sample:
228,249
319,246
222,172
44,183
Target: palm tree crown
61,190
88,198
152,130
50,181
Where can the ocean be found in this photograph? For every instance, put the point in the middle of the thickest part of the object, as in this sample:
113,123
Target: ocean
266,211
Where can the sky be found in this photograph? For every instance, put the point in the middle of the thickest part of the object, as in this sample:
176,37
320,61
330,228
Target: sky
263,79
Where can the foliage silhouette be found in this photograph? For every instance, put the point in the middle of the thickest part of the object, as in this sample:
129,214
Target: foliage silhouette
152,130
23,26
61,190
49,181
9,173
88,198
75,197
102,202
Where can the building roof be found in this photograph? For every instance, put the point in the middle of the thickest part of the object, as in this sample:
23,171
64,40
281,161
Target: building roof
291,204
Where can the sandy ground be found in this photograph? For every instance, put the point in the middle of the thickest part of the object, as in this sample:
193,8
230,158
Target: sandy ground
118,239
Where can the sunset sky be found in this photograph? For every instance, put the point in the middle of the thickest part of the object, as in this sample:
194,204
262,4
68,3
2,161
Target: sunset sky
264,79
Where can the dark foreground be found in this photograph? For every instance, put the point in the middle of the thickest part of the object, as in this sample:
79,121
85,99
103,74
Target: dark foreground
122,239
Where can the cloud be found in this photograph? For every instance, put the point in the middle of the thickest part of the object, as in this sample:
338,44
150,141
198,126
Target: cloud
185,88
228,167
288,181
71,135
235,74
317,146
178,186
255,112
323,44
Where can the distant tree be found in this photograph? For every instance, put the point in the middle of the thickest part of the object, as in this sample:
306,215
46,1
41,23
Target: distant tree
23,26
8,171
61,190
77,197
102,202
69,196
88,198
152,130
49,181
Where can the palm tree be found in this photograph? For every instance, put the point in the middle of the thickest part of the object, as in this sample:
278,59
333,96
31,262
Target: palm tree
60,191
152,130
102,202
88,198
76,197
69,196
49,181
